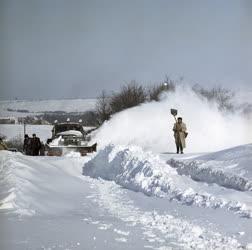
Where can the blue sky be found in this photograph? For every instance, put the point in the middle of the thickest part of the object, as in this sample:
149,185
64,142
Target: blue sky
72,49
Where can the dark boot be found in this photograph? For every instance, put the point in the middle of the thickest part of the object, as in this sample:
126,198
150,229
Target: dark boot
181,148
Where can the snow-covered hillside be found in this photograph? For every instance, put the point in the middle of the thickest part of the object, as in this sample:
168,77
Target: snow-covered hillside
36,107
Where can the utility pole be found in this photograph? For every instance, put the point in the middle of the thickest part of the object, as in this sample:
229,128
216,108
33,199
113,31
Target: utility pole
24,127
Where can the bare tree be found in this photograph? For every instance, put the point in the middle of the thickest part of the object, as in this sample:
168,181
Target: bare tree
15,142
130,95
167,86
222,96
103,108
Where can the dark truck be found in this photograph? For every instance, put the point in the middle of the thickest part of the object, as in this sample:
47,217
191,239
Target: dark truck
69,137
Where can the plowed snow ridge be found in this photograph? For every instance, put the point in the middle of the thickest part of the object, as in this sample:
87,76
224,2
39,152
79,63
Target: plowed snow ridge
137,170
230,168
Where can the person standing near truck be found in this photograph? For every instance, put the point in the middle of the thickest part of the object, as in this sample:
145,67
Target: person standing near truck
35,145
27,145
180,133
3,146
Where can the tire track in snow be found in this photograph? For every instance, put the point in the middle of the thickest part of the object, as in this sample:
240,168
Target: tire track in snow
172,232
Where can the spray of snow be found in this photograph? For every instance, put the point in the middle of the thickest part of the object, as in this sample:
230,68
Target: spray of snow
150,125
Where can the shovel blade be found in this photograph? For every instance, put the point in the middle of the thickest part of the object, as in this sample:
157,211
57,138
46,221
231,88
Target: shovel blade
174,112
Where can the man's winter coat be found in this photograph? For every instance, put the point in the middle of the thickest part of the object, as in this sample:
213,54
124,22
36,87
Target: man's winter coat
35,145
180,133
3,146
27,146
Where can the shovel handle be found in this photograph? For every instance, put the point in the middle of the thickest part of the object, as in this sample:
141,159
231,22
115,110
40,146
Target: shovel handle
175,118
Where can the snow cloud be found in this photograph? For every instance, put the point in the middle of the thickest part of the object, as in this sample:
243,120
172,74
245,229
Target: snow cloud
150,125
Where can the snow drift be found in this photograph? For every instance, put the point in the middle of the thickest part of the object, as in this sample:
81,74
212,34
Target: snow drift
30,185
150,125
90,211
137,170
230,168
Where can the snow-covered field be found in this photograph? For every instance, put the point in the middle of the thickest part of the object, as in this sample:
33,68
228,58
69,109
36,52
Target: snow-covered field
36,107
134,193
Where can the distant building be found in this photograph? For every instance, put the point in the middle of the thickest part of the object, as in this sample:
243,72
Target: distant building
8,120
33,120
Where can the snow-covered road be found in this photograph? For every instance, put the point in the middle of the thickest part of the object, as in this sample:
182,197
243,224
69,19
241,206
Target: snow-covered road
49,205
123,198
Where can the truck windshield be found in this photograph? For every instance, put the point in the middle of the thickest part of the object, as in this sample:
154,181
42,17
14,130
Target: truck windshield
65,127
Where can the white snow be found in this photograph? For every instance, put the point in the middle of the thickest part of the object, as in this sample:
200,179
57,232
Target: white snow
169,231
71,132
23,184
57,140
230,168
52,193
121,232
150,125
36,107
133,193
142,171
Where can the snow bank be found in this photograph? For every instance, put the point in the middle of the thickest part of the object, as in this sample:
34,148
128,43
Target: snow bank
200,171
230,168
142,171
150,125
35,185
11,185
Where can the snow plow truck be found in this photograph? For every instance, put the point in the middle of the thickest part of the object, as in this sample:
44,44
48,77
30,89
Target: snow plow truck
69,137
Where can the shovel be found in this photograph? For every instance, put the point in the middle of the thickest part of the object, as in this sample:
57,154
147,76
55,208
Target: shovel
174,112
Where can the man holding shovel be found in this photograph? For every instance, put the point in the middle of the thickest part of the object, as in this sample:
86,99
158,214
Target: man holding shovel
180,132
